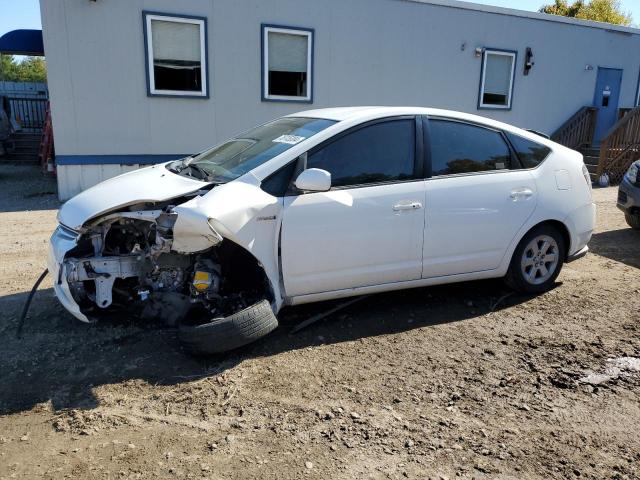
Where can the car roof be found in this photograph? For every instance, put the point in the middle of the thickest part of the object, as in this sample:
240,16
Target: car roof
354,113
366,113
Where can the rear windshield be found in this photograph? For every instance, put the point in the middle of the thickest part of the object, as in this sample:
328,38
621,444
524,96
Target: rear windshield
530,153
235,157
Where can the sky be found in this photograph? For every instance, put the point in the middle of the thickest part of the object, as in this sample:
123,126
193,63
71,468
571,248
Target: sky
16,14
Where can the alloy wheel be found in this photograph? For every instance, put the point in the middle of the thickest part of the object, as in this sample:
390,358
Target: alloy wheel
540,259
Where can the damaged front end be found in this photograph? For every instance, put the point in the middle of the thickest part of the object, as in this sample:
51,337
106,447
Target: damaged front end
128,262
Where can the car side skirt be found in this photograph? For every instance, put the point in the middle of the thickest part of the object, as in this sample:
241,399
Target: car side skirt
388,287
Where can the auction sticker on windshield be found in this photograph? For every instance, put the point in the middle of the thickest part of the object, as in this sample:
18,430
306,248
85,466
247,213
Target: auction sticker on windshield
290,139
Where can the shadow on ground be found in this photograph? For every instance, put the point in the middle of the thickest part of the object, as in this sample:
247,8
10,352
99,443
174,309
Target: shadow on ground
620,245
26,187
61,360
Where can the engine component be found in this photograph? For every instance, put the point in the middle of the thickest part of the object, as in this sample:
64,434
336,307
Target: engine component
168,307
127,260
202,280
166,272
103,271
206,278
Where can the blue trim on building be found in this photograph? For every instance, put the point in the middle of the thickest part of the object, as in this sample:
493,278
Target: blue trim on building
263,97
513,79
116,159
146,54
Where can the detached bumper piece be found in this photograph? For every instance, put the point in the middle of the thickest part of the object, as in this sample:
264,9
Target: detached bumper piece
228,333
579,254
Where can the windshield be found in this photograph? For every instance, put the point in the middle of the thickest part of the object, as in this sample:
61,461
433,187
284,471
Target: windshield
231,159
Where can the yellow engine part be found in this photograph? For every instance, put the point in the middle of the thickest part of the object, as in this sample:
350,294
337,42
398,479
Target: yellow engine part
201,280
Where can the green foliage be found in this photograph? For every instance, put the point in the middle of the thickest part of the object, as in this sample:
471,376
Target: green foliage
31,69
608,11
561,7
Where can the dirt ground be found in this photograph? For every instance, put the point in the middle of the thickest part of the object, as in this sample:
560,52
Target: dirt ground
434,382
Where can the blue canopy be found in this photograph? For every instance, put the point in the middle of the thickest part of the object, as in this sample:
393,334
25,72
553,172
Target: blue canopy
22,42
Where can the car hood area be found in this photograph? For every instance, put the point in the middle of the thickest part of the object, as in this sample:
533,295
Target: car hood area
151,184
165,247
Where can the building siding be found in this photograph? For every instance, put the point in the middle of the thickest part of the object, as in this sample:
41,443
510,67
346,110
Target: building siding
367,52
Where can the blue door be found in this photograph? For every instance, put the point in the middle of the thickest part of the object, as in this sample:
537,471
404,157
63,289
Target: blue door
606,100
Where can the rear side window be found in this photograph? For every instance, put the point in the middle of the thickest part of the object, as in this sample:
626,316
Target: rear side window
530,153
463,148
382,152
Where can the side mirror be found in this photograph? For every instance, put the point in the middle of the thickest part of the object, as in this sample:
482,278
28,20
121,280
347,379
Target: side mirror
313,180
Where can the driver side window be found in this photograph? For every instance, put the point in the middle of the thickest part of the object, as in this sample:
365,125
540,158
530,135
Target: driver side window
381,152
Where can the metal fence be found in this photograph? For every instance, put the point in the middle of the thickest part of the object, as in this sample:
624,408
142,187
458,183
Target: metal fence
29,112
27,103
23,89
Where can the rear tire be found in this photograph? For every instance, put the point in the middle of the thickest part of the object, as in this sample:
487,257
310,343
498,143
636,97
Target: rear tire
228,333
537,260
633,220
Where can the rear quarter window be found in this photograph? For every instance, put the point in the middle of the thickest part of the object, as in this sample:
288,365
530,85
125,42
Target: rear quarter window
530,153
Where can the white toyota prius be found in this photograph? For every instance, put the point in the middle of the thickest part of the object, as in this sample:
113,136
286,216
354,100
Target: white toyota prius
320,205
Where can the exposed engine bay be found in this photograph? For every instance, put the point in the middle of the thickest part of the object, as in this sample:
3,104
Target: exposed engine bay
124,264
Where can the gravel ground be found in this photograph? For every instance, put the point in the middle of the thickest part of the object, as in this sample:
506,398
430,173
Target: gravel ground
435,382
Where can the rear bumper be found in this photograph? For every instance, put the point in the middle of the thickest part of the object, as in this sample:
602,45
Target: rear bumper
628,197
580,223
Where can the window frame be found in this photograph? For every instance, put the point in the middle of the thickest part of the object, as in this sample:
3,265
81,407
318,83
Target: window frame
147,17
514,151
265,28
514,161
418,156
497,51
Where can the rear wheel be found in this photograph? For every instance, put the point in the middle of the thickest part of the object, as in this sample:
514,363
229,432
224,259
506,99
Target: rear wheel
633,220
537,260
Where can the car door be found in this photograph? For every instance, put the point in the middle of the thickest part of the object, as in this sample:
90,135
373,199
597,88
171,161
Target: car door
477,198
368,228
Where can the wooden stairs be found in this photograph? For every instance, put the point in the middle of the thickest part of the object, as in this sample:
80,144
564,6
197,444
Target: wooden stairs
591,159
619,147
23,148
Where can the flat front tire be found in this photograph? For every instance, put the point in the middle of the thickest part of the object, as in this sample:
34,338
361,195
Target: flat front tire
537,260
228,333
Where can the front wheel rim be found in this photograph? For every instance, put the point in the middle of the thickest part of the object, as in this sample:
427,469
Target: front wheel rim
540,259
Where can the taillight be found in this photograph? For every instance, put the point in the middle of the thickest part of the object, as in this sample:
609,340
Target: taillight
587,177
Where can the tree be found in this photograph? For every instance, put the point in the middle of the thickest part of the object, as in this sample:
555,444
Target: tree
561,7
31,69
608,11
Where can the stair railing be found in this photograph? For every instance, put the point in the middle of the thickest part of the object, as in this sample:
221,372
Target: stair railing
578,130
45,150
620,146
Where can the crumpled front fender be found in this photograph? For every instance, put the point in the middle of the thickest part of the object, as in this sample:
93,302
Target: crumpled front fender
238,211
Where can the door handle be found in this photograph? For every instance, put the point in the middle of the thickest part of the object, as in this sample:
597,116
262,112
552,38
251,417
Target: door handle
520,194
407,206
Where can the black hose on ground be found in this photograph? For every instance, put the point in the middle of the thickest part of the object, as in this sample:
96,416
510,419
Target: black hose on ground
28,302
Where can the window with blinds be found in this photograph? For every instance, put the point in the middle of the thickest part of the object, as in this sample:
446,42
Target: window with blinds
496,87
287,63
176,60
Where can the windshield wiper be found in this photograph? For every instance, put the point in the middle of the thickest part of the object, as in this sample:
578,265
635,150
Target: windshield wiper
194,166
187,164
